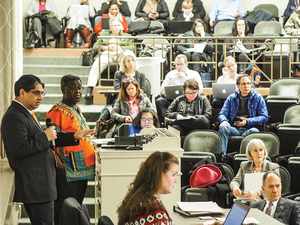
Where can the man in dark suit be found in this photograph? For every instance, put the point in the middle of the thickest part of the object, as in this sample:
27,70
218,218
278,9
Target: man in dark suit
29,151
284,210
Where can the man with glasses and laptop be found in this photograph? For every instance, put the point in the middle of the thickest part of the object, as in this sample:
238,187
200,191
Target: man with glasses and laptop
189,111
242,112
176,77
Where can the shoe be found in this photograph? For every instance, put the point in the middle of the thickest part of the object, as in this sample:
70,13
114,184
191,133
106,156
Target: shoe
46,44
69,36
87,38
168,122
88,94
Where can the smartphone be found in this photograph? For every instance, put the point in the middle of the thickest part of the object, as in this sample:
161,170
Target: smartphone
237,120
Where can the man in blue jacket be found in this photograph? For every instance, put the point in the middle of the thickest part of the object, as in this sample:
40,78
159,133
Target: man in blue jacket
242,112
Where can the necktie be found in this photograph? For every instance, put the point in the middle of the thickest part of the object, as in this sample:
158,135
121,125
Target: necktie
34,116
269,209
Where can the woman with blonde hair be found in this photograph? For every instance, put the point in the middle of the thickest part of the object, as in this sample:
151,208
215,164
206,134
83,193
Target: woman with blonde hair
128,68
142,203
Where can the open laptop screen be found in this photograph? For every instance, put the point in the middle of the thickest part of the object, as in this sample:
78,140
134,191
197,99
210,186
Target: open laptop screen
237,214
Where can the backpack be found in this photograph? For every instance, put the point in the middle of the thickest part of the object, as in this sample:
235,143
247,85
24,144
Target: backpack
31,39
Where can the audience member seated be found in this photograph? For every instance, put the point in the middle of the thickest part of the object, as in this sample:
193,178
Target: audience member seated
292,26
240,28
83,24
290,8
110,52
128,68
147,118
198,8
189,111
176,77
114,12
187,12
257,163
142,203
154,10
229,75
281,209
242,112
190,47
124,10
34,10
131,101
225,10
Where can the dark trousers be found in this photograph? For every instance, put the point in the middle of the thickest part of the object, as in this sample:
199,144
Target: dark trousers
162,105
187,126
40,213
75,189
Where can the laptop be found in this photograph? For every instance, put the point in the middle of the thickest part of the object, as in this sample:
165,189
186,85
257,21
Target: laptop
173,91
180,27
79,11
223,90
105,23
237,214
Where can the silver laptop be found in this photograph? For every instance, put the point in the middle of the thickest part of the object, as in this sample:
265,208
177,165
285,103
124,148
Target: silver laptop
79,11
237,214
173,91
223,90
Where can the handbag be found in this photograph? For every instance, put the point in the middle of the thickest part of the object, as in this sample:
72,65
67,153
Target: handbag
87,58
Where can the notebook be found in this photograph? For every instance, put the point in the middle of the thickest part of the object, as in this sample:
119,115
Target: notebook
237,214
173,91
79,11
180,27
223,90
253,181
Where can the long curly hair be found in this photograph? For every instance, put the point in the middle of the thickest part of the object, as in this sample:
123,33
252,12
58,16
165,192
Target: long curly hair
142,190
234,29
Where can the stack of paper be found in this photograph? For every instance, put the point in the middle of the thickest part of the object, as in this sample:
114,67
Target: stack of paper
198,208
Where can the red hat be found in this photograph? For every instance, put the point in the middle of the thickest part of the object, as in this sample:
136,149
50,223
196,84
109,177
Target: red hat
205,175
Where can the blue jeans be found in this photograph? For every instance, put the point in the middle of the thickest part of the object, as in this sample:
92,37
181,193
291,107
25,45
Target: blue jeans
225,131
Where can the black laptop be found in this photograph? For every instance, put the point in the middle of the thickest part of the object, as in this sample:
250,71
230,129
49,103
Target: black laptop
180,27
105,23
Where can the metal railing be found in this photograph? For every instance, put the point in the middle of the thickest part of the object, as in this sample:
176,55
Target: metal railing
273,56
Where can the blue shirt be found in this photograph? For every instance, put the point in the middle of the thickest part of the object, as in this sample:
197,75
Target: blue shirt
226,10
131,132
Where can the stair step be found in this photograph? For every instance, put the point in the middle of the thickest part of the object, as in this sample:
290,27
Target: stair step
52,60
54,79
56,70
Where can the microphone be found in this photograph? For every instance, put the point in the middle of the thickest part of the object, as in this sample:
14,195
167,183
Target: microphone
50,124
134,146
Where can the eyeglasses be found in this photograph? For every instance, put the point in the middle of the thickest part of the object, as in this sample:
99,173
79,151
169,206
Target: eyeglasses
180,64
188,93
73,89
146,119
246,83
38,93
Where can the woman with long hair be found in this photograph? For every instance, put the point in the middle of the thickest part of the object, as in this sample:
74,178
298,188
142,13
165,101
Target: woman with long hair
130,101
189,46
157,176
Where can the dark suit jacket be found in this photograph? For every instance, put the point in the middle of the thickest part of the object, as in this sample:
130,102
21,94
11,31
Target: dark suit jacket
287,211
30,155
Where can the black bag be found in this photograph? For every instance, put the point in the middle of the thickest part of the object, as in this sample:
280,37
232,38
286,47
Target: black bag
31,39
87,58
139,26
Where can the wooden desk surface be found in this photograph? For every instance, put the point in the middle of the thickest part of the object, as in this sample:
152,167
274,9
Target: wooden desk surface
263,218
